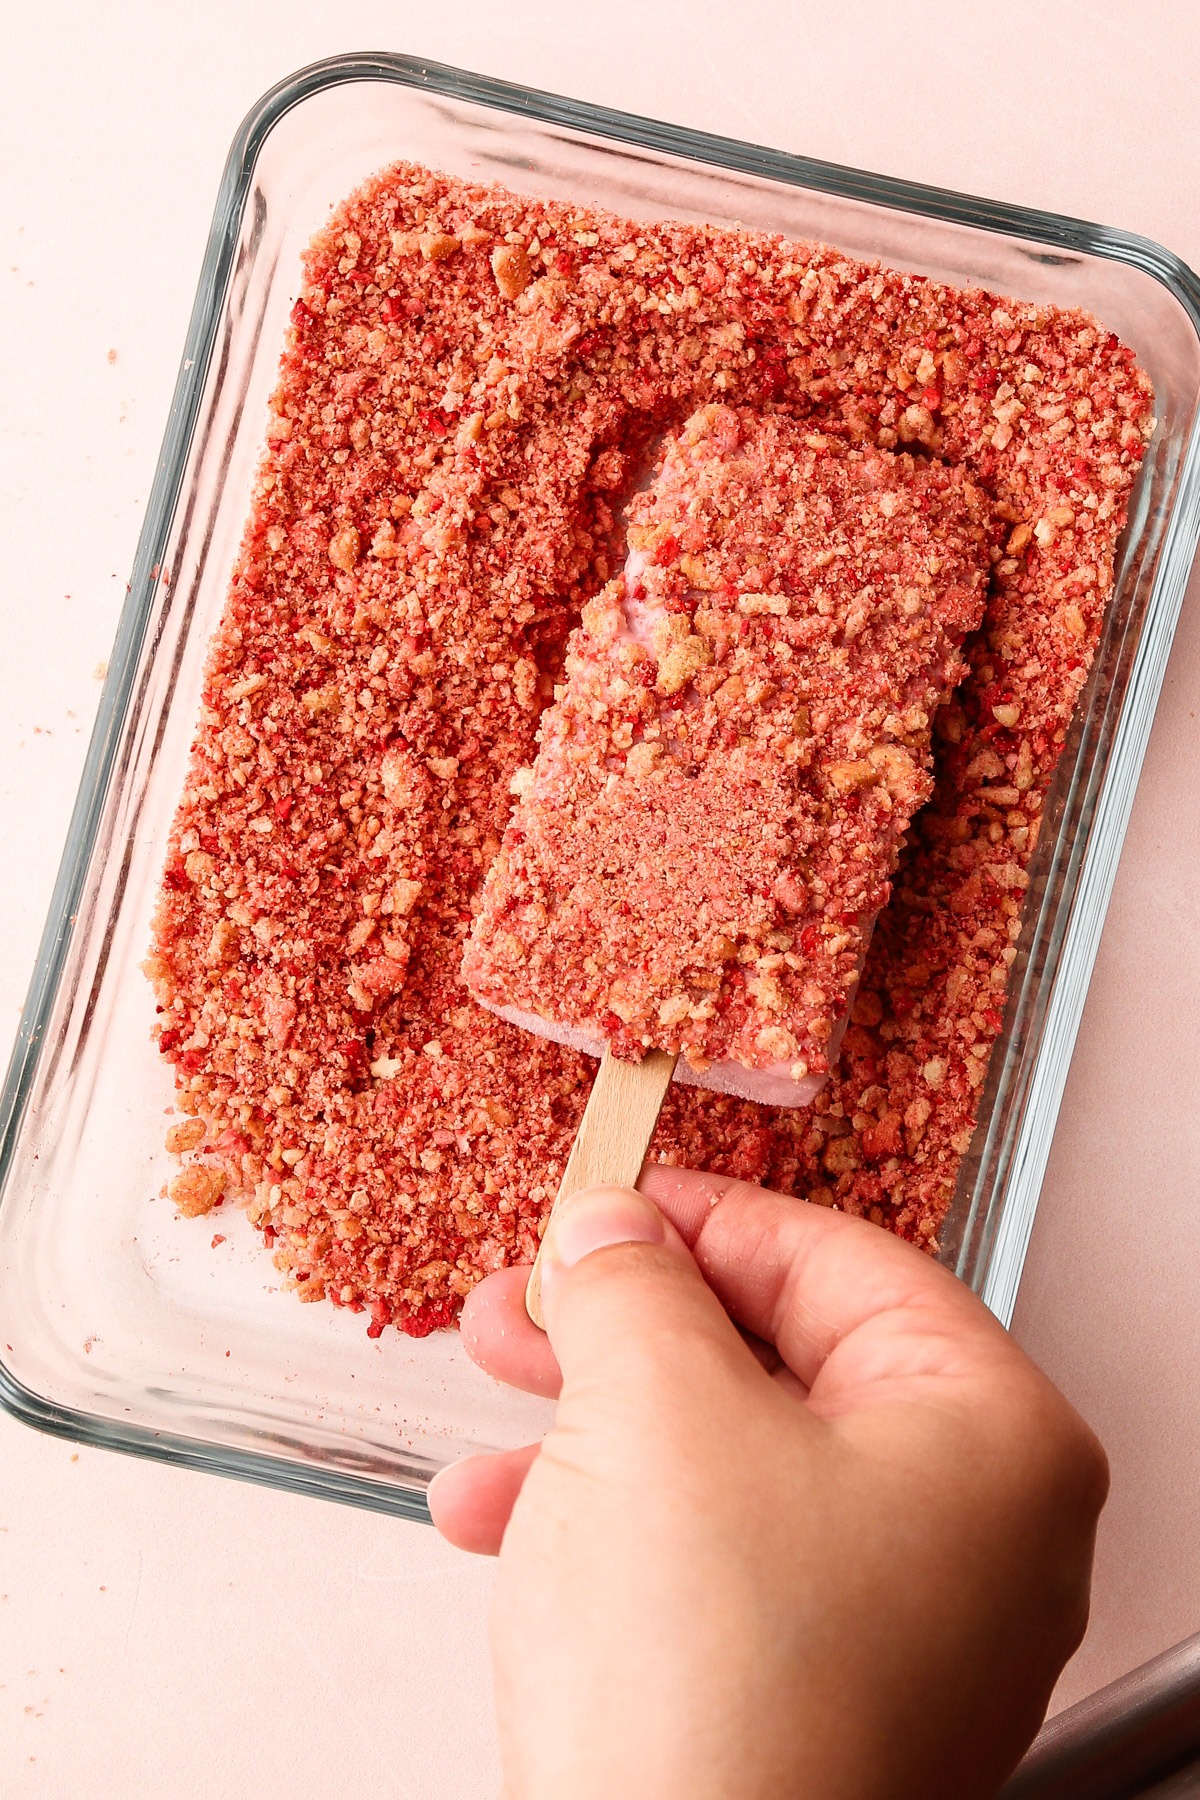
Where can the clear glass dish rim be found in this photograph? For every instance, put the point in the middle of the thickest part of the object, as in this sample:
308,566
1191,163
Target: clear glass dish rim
1111,807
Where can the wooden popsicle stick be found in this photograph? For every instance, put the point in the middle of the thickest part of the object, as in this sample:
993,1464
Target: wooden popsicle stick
613,1138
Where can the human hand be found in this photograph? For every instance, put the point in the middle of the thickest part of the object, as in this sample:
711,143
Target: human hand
843,1559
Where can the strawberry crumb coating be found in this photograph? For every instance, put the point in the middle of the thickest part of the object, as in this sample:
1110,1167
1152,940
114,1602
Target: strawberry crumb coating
469,392
699,852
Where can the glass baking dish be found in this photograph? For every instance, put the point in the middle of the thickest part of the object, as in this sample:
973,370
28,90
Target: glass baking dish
123,1325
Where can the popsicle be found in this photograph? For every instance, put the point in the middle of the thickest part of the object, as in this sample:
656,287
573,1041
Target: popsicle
696,858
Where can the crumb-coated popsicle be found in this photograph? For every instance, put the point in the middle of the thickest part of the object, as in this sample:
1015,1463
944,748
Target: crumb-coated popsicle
696,859
741,737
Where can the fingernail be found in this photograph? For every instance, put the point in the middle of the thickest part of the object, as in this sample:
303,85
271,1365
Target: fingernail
597,1219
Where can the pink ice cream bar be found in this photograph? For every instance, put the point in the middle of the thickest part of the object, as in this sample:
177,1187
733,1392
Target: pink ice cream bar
697,857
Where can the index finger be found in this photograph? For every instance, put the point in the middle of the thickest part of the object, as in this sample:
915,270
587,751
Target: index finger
811,1280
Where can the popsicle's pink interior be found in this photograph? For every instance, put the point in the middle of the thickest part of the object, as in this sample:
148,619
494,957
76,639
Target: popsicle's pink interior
468,398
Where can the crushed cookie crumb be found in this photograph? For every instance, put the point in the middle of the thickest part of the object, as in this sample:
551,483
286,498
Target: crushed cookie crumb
186,1134
197,1189
511,268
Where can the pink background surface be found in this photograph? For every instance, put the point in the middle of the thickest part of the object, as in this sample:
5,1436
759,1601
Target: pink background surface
169,1633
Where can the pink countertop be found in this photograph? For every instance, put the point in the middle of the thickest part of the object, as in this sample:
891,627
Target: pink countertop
154,1624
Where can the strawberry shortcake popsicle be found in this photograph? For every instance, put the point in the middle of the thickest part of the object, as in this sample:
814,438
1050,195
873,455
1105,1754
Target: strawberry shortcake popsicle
741,736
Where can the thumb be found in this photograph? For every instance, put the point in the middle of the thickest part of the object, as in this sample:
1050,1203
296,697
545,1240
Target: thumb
625,1303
